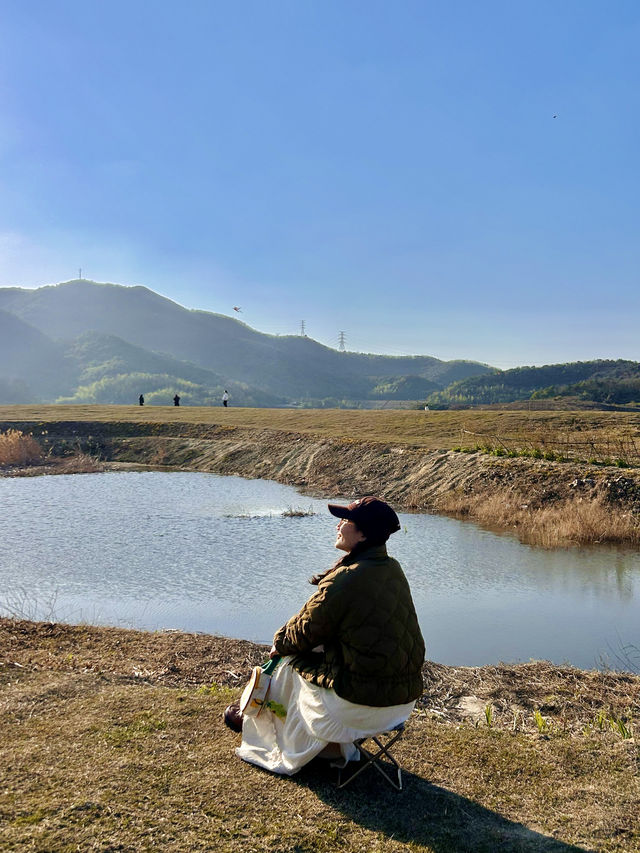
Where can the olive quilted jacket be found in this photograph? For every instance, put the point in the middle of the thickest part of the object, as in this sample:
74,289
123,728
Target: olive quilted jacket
363,616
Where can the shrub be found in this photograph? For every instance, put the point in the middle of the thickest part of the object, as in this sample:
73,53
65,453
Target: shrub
18,449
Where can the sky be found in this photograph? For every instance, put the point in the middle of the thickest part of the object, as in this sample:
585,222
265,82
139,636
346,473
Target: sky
453,178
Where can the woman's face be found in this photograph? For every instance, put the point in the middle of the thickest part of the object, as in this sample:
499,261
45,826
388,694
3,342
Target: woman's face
348,535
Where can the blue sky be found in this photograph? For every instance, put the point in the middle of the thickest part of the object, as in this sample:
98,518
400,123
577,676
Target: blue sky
393,170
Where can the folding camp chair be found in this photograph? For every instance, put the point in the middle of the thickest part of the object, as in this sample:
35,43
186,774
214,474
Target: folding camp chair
381,759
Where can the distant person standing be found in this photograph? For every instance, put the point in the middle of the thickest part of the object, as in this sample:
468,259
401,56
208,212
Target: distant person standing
225,399
176,400
141,400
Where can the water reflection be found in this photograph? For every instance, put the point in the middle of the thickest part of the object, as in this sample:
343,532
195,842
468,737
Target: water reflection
208,553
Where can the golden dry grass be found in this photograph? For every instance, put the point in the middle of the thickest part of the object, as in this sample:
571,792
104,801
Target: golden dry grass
583,524
78,463
18,449
582,434
568,522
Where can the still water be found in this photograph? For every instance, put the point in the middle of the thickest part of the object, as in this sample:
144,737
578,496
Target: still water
199,552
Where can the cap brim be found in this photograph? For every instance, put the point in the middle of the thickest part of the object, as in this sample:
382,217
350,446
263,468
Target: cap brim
339,511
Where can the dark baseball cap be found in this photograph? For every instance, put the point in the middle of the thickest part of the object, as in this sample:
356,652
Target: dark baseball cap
373,517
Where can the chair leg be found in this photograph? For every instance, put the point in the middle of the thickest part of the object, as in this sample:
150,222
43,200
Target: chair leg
383,750
373,758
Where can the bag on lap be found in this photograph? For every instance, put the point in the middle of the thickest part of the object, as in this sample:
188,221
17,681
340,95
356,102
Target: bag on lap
254,695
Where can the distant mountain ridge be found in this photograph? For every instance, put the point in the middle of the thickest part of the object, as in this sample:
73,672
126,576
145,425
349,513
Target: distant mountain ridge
92,336
608,381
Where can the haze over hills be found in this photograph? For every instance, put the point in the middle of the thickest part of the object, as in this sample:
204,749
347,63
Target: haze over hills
107,343
29,360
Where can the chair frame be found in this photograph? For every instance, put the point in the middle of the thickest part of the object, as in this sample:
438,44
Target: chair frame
384,741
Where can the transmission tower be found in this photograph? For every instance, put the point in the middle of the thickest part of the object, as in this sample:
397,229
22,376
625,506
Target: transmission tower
302,331
341,345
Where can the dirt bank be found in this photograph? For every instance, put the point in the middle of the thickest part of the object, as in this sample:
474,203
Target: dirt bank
544,502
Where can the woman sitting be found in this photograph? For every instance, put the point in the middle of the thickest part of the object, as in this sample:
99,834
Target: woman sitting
351,658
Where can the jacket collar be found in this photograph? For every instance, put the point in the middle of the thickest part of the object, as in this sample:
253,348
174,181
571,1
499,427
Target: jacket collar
376,552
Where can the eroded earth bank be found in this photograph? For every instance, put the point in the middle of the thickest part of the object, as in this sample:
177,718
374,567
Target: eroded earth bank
544,502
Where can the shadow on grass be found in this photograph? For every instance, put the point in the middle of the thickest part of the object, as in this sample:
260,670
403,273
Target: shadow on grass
426,814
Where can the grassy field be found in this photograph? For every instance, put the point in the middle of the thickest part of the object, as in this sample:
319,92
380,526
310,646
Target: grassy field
113,740
585,435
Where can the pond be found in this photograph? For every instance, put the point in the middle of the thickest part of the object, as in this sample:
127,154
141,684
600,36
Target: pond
200,552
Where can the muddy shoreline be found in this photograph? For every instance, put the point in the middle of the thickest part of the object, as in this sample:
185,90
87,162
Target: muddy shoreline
543,502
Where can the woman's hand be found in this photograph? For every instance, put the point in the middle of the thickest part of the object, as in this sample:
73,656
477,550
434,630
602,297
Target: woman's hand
274,653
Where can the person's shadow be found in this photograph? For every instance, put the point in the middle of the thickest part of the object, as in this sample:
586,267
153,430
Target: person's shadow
426,814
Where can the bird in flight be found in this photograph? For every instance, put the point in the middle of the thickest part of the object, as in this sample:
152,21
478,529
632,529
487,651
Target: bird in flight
556,115
235,308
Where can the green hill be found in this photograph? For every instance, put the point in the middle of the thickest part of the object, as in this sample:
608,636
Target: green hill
601,381
110,370
403,388
284,367
104,369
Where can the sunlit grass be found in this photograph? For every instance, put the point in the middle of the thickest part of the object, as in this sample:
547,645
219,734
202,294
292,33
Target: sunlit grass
584,434
564,523
18,449
117,736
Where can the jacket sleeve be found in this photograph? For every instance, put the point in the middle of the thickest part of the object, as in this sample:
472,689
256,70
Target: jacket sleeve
319,619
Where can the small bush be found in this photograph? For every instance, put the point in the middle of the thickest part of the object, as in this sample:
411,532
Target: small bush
18,449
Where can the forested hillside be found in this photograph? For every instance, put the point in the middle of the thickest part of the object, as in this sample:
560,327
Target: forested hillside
601,381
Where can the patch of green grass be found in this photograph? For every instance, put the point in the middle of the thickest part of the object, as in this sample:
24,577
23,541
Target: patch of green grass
541,724
31,818
217,690
142,724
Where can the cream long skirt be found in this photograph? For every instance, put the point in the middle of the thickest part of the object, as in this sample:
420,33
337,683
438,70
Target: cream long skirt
314,717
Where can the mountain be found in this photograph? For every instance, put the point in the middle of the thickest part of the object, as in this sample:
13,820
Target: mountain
31,364
111,370
600,381
286,367
104,369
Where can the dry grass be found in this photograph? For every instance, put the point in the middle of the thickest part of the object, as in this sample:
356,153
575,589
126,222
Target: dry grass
22,454
79,463
583,524
177,659
18,449
98,757
580,433
566,522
